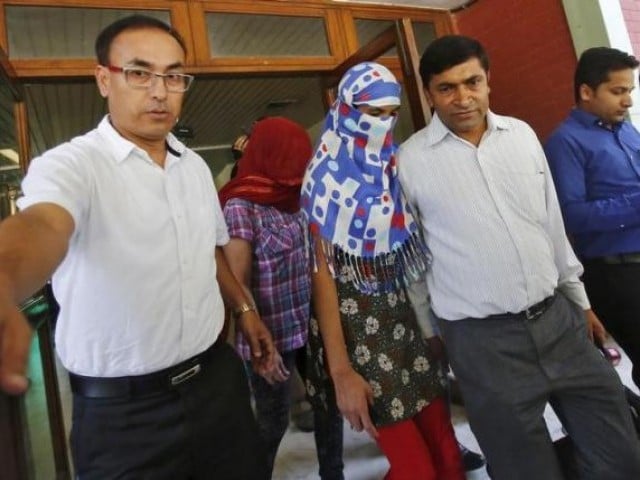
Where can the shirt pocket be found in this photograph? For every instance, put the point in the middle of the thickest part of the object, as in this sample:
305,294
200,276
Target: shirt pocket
525,192
276,239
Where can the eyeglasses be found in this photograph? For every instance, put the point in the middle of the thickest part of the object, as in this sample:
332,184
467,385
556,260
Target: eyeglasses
142,78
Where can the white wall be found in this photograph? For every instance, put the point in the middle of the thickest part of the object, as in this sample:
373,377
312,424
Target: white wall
596,23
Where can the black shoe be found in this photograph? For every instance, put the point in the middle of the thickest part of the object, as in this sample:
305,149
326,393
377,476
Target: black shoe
470,460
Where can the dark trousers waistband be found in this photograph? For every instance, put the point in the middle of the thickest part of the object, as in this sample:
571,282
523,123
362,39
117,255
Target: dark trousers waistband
139,385
531,313
618,259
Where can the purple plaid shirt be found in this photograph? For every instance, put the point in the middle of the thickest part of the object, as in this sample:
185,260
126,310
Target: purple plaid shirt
281,273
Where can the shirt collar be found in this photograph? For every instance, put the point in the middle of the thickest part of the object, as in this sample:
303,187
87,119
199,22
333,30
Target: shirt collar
590,120
438,131
122,148
496,122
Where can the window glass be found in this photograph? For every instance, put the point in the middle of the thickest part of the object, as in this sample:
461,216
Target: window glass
245,35
61,32
368,29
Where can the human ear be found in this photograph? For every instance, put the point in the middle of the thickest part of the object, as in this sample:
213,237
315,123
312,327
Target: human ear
428,96
586,93
102,80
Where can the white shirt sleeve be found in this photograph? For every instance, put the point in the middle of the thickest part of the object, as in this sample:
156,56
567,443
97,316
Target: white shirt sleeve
418,291
222,234
58,177
568,265
418,294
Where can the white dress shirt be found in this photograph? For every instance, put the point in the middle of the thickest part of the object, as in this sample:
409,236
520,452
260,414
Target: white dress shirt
491,220
137,288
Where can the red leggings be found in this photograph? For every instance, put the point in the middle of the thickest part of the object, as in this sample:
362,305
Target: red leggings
423,447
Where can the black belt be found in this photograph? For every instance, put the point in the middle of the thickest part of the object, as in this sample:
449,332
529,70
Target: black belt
531,313
619,259
139,385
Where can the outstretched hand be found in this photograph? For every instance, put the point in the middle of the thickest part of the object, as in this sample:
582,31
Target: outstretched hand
15,340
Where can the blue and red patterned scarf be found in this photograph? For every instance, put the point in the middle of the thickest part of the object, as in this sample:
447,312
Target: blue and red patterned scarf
351,194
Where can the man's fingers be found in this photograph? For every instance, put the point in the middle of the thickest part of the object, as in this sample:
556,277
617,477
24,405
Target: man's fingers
267,348
256,351
268,354
14,353
255,345
253,334
240,143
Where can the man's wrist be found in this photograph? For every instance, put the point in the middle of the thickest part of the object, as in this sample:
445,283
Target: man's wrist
242,309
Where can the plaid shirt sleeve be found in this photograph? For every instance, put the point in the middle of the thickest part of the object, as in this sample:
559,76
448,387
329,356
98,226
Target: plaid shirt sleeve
238,216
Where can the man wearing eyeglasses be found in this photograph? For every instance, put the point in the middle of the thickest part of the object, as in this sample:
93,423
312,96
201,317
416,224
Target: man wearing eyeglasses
127,220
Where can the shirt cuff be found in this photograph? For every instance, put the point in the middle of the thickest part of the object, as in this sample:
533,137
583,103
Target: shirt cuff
419,297
576,293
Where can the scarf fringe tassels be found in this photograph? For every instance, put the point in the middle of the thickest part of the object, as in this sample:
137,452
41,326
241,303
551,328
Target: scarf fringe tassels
382,273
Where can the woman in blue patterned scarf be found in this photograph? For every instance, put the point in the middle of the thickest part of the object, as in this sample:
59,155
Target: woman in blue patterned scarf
367,350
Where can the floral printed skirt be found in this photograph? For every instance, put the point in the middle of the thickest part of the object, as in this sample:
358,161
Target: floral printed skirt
385,346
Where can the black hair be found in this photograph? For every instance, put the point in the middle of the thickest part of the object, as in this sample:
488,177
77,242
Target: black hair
596,63
131,22
449,51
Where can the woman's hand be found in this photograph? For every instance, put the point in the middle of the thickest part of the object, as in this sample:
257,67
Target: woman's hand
354,396
278,373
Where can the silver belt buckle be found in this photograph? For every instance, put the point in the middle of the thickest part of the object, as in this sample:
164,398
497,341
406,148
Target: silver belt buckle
534,312
185,375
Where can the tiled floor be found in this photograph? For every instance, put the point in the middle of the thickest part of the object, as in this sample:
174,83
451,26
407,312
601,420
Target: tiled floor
363,461
297,457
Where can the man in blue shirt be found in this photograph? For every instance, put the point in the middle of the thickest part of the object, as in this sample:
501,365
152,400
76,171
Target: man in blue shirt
594,157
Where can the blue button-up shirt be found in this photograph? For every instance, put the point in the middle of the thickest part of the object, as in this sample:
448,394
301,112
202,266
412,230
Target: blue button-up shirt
596,170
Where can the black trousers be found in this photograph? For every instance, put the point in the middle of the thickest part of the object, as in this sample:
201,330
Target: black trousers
327,428
614,292
203,429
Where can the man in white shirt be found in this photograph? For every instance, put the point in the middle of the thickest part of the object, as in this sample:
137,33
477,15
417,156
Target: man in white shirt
127,220
504,282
